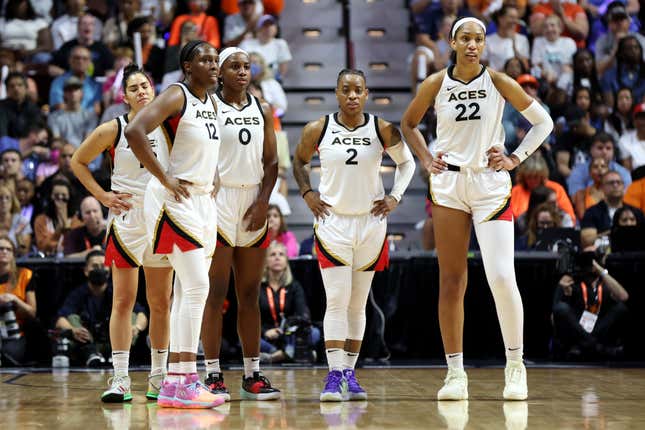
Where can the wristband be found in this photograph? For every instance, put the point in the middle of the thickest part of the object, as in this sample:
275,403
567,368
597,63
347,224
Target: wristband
306,192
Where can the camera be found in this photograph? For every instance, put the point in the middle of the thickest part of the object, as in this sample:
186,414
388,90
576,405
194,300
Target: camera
9,328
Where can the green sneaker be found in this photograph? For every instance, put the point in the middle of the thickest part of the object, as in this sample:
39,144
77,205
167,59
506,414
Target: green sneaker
154,385
119,390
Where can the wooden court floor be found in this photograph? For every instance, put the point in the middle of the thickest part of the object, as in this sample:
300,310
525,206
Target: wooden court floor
401,398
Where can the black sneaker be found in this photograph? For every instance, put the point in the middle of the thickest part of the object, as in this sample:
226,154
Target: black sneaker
258,387
215,384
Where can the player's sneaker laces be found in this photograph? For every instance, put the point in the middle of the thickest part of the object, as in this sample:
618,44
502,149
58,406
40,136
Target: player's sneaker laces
258,387
192,394
154,385
515,376
215,383
354,389
455,386
167,392
119,390
335,387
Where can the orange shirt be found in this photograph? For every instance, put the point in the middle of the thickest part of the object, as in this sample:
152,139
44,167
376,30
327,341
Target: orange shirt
20,291
207,29
520,199
272,7
635,194
571,10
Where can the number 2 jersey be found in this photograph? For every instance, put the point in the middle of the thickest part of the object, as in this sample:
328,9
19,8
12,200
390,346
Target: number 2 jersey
128,174
240,155
469,119
350,165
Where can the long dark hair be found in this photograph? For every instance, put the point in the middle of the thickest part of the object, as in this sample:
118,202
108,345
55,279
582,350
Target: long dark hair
615,118
593,77
11,10
620,60
13,270
50,211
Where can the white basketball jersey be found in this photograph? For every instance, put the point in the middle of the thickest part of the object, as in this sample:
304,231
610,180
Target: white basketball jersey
469,119
128,174
242,142
196,140
350,164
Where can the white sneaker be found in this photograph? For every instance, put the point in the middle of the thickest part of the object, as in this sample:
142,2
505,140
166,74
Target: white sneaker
515,376
455,414
455,386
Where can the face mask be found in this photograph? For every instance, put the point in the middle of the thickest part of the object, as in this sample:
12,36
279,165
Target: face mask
98,276
256,69
54,156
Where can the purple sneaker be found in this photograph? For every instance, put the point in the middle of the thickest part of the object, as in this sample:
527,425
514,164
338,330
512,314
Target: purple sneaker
335,387
167,392
354,389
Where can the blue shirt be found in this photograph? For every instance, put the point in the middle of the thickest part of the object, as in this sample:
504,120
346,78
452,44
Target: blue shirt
612,81
579,179
91,91
92,309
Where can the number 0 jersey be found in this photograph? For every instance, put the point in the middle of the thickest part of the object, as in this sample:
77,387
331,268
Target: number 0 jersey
240,157
195,140
350,165
469,119
128,175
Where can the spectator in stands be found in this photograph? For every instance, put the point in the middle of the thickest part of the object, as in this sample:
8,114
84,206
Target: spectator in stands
12,223
514,68
65,27
115,30
240,26
188,32
620,120
632,143
278,231
572,16
79,241
49,165
618,23
272,91
544,216
272,7
85,314
11,168
552,54
542,194
207,26
17,304
112,91
100,59
8,57
17,111
627,233
597,220
584,73
56,220
635,194
23,31
590,291
602,145
515,125
71,121
424,61
80,65
571,147
274,51
162,11
25,195
152,55
506,42
629,71
587,197
585,100
530,174
43,191
34,147
282,302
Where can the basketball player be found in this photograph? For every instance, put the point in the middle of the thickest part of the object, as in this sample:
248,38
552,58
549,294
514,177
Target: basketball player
127,247
470,183
350,210
181,216
248,168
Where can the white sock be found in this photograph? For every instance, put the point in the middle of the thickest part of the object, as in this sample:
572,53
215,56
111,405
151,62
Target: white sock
212,366
335,358
514,354
174,372
455,361
251,364
120,360
350,359
188,367
158,359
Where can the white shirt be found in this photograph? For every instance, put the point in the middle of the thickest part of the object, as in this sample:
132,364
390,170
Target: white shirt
631,147
20,34
274,95
65,28
499,49
274,52
553,55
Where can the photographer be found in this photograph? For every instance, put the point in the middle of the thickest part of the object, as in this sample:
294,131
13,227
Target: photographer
589,310
84,317
284,312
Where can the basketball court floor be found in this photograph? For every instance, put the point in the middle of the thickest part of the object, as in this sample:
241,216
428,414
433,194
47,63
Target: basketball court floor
399,398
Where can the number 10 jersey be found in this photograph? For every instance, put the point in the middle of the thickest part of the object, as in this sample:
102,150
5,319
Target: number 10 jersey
469,119
350,165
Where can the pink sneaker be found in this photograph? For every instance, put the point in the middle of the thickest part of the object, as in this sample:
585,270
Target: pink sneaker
167,392
192,394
